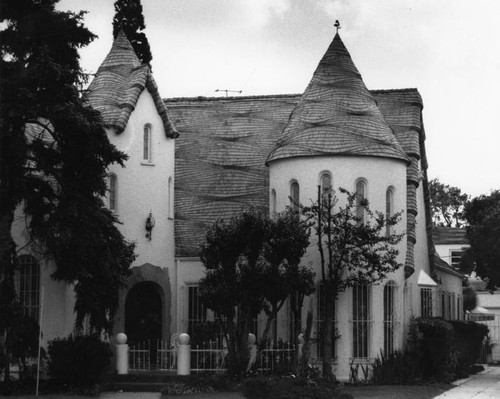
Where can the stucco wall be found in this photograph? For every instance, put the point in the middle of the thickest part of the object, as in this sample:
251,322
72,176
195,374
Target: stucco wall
379,174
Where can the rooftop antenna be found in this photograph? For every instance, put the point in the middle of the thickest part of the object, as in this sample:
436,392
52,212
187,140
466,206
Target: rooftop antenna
337,25
228,91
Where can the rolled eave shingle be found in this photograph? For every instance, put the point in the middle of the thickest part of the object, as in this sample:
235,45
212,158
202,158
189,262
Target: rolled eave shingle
337,115
118,84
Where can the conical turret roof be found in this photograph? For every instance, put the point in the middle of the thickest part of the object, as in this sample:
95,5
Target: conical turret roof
337,115
119,82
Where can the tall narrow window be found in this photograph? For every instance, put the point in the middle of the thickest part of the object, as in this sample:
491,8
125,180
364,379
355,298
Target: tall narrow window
294,195
112,192
170,211
426,302
273,201
389,209
320,322
326,185
360,321
197,312
147,143
29,287
389,317
360,197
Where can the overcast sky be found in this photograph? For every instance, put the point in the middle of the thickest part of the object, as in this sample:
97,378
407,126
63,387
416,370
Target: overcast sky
448,49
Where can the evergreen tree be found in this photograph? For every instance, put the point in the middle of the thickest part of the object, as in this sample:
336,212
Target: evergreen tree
54,154
128,16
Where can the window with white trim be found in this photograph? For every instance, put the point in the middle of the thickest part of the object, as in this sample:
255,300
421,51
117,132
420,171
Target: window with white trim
147,144
361,323
455,257
360,196
170,211
294,195
426,302
273,201
389,317
197,311
326,185
320,322
112,192
29,285
389,209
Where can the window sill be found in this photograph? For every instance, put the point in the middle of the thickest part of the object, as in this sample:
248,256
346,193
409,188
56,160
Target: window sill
145,163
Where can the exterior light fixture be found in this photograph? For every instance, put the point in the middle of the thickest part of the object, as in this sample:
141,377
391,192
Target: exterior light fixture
150,223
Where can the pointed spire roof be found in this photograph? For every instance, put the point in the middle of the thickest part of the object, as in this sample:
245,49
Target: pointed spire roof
119,82
337,115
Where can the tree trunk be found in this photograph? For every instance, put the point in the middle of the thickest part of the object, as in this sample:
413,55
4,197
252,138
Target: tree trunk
327,334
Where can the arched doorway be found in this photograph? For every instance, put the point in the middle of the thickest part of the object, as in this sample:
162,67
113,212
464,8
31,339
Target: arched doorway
143,316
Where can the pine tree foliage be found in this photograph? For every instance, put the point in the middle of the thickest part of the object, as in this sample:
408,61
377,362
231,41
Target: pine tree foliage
54,159
129,17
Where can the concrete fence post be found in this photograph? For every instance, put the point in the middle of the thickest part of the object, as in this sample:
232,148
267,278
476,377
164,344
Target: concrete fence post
252,351
184,355
300,347
121,354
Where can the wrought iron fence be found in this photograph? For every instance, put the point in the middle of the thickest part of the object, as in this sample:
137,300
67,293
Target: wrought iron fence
139,357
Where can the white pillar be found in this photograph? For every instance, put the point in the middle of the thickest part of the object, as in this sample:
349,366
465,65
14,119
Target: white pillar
184,355
252,351
300,347
121,354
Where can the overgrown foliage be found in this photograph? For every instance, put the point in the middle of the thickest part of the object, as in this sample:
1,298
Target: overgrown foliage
355,248
483,232
437,350
128,16
262,387
252,265
447,204
79,360
470,298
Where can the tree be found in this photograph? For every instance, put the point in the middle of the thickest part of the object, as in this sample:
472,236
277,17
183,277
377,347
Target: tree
54,154
355,248
252,264
447,204
483,232
128,16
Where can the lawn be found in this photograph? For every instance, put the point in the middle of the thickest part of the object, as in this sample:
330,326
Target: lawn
396,391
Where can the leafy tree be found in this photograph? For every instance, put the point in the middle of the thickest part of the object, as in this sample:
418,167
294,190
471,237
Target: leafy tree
354,250
128,16
447,204
54,154
252,264
470,298
483,232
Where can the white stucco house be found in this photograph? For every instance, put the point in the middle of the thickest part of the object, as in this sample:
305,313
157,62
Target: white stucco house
192,160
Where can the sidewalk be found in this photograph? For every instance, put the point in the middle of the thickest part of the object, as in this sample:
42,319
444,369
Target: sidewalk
483,385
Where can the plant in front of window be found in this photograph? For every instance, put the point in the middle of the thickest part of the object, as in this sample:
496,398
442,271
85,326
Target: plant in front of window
354,250
252,264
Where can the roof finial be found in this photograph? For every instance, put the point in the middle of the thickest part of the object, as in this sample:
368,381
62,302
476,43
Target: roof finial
337,25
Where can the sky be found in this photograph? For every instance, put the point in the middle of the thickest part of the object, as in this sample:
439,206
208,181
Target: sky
448,49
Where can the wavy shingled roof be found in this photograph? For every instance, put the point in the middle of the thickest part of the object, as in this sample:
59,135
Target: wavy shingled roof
119,82
337,115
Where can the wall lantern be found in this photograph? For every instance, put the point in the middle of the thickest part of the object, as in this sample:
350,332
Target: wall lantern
150,223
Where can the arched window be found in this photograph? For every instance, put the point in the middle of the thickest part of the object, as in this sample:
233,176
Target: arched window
112,197
170,211
360,196
147,143
326,185
295,195
29,285
389,317
273,201
389,209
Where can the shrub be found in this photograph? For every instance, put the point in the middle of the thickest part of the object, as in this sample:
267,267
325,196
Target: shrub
435,349
290,388
398,368
469,337
79,360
